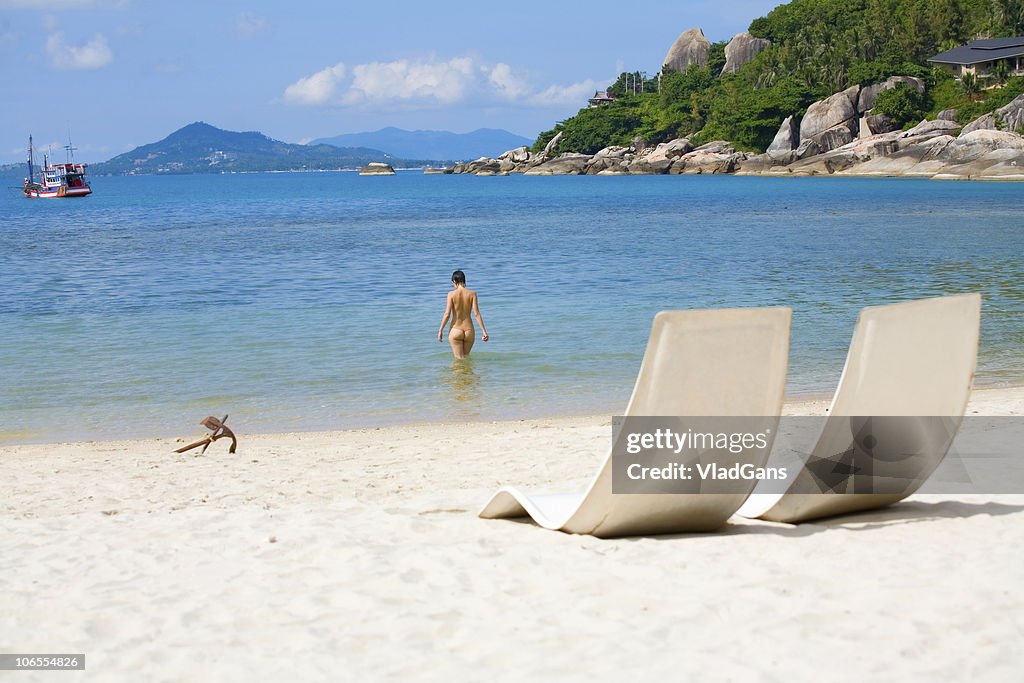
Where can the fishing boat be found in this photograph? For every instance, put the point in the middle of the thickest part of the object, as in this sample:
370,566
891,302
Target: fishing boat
56,180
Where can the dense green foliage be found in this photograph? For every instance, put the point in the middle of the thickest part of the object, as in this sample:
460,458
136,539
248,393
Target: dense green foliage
903,104
818,47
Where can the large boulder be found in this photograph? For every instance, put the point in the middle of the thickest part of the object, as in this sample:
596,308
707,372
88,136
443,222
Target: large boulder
715,157
947,115
649,167
1012,115
835,137
978,143
757,164
918,160
485,165
869,93
717,147
838,110
1009,118
932,128
612,159
807,148
786,140
997,164
566,164
741,49
691,47
983,122
517,155
606,165
614,152
673,149
876,124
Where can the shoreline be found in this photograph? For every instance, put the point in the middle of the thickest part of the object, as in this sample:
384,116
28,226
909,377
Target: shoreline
996,400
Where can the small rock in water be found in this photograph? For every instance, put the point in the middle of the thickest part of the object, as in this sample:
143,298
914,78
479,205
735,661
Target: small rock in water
377,168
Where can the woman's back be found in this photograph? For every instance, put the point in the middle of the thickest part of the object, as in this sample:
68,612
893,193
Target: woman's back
462,307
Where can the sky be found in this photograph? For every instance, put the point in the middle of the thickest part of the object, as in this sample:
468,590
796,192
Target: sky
123,73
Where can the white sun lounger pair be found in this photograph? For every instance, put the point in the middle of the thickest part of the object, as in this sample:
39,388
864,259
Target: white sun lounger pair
907,359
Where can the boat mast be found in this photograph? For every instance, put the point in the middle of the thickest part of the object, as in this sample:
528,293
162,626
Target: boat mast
69,148
31,177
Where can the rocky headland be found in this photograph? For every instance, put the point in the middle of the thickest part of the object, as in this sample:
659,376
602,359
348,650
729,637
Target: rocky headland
839,135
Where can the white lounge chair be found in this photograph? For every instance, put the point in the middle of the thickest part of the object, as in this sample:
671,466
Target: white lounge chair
906,360
697,363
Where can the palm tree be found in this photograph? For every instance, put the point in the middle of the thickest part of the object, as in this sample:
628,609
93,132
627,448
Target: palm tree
969,84
1001,72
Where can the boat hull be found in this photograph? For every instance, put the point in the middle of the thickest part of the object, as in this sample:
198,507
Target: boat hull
56,192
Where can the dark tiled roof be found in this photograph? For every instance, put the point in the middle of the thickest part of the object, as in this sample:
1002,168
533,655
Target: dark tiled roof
979,51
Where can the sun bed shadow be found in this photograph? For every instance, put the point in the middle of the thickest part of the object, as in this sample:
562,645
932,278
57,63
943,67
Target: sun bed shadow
909,512
906,512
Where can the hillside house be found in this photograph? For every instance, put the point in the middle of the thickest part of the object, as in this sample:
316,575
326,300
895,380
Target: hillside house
979,57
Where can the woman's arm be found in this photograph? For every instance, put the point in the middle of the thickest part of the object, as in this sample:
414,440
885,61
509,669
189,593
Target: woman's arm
479,318
444,320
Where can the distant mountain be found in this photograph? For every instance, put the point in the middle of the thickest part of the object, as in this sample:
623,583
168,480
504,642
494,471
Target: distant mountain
202,148
432,144
18,171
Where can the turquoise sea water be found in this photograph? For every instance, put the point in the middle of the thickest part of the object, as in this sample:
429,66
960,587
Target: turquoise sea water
311,301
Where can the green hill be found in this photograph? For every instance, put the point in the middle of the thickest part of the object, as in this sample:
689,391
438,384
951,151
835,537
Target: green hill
202,148
818,47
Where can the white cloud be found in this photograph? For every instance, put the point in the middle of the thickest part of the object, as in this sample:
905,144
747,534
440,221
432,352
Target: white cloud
248,24
560,95
94,54
433,82
508,84
315,89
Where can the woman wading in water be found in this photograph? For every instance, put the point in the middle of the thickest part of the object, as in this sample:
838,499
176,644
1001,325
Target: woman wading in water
461,302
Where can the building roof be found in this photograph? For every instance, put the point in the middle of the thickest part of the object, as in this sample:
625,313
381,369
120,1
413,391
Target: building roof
980,51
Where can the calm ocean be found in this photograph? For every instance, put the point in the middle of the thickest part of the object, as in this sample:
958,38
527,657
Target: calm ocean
311,301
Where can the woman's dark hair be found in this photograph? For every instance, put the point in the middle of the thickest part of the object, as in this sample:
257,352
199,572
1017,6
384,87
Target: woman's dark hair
458,277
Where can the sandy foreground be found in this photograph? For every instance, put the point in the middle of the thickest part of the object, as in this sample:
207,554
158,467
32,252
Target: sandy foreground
358,556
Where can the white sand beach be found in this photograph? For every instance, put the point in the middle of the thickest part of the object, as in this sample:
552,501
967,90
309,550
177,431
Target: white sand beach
358,555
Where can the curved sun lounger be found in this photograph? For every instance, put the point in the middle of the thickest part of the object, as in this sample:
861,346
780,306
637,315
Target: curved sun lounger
697,363
909,370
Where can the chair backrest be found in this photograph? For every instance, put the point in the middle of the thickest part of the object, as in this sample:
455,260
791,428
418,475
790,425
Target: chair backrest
725,363
906,360
912,358
714,362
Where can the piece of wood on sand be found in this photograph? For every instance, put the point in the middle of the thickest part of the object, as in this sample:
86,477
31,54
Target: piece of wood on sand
218,431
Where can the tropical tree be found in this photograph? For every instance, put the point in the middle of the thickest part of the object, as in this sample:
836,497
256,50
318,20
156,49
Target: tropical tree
970,87
1001,72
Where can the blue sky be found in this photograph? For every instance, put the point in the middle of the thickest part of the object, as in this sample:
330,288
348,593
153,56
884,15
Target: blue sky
128,72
